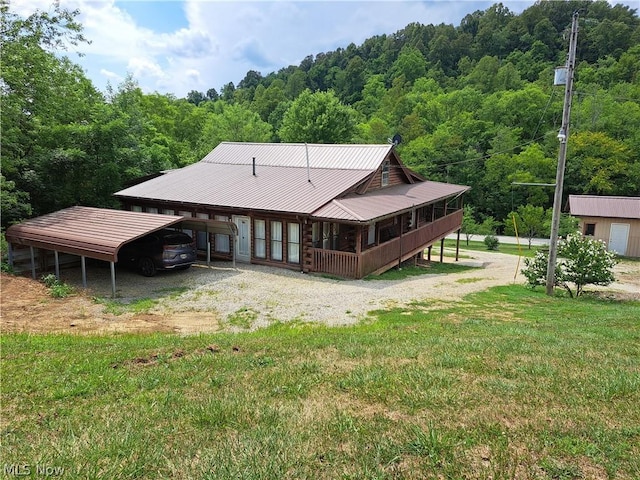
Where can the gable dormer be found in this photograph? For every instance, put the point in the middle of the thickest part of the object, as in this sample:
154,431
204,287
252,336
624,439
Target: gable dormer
389,173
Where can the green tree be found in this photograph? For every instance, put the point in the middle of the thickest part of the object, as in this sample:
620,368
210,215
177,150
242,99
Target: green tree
14,204
266,100
530,222
235,124
372,93
469,226
602,165
212,94
295,84
196,97
484,75
318,118
582,261
411,64
501,170
40,92
373,131
350,81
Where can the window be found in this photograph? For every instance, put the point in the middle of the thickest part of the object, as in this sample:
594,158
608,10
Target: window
260,238
168,211
152,210
385,173
222,241
276,241
136,208
202,238
590,229
371,236
326,235
187,215
293,245
316,234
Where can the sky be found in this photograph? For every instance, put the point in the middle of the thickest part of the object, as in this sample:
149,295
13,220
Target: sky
178,46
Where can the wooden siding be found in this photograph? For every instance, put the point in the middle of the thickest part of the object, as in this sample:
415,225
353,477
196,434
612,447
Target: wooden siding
396,175
383,257
603,231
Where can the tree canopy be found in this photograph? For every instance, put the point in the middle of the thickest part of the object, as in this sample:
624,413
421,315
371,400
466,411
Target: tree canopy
474,104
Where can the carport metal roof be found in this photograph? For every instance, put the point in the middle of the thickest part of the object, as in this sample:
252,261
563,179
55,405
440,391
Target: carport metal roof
98,232
87,231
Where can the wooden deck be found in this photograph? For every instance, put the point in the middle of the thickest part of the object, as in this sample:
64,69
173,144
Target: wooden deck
383,257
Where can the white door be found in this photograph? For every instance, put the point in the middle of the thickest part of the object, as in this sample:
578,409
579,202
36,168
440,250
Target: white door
618,237
243,241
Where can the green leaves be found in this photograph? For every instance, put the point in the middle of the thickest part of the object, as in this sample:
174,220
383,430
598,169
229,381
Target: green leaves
317,118
581,261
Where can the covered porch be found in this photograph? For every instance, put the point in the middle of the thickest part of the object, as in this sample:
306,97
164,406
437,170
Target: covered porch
403,237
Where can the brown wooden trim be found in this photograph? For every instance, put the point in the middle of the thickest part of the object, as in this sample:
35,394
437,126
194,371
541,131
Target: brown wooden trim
382,257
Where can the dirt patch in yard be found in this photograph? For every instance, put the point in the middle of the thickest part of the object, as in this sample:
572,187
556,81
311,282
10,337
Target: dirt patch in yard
212,299
28,307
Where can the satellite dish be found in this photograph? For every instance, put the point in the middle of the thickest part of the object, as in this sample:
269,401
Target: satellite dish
396,139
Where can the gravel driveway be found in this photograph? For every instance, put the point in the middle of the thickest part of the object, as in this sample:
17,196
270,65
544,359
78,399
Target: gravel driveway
253,295
264,294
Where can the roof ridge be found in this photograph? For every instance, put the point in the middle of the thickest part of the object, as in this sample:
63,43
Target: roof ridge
296,144
336,202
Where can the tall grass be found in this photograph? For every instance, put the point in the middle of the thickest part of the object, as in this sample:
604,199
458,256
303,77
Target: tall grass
508,384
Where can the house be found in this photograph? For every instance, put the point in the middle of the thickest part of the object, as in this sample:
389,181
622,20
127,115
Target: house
615,220
344,210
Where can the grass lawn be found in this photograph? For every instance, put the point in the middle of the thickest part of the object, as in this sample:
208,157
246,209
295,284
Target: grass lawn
511,249
434,268
508,384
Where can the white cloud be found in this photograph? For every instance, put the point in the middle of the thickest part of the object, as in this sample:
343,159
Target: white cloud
144,67
192,74
111,75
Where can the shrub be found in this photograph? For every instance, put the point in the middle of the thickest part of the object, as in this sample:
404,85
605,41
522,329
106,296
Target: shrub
492,242
57,289
581,261
6,268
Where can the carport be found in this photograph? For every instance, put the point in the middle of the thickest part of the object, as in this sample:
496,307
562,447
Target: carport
97,233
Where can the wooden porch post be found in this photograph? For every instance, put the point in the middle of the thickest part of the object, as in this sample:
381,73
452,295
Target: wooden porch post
458,245
429,253
442,250
400,244
359,250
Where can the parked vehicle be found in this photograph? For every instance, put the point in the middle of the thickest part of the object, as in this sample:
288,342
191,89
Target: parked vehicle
162,250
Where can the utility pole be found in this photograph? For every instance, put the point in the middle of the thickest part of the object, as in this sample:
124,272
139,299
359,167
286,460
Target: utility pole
563,136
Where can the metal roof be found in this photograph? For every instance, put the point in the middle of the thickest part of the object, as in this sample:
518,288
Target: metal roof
344,157
284,182
274,188
602,206
87,231
387,201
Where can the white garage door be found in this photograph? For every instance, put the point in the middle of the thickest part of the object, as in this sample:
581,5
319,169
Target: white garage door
618,237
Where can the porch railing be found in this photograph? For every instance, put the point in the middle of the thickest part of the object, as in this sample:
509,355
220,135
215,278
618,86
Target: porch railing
350,265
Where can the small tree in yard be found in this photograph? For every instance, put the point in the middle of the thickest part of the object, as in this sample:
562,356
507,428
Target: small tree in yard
581,261
469,225
530,221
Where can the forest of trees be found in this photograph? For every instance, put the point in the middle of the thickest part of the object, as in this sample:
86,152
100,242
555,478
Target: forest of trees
474,104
